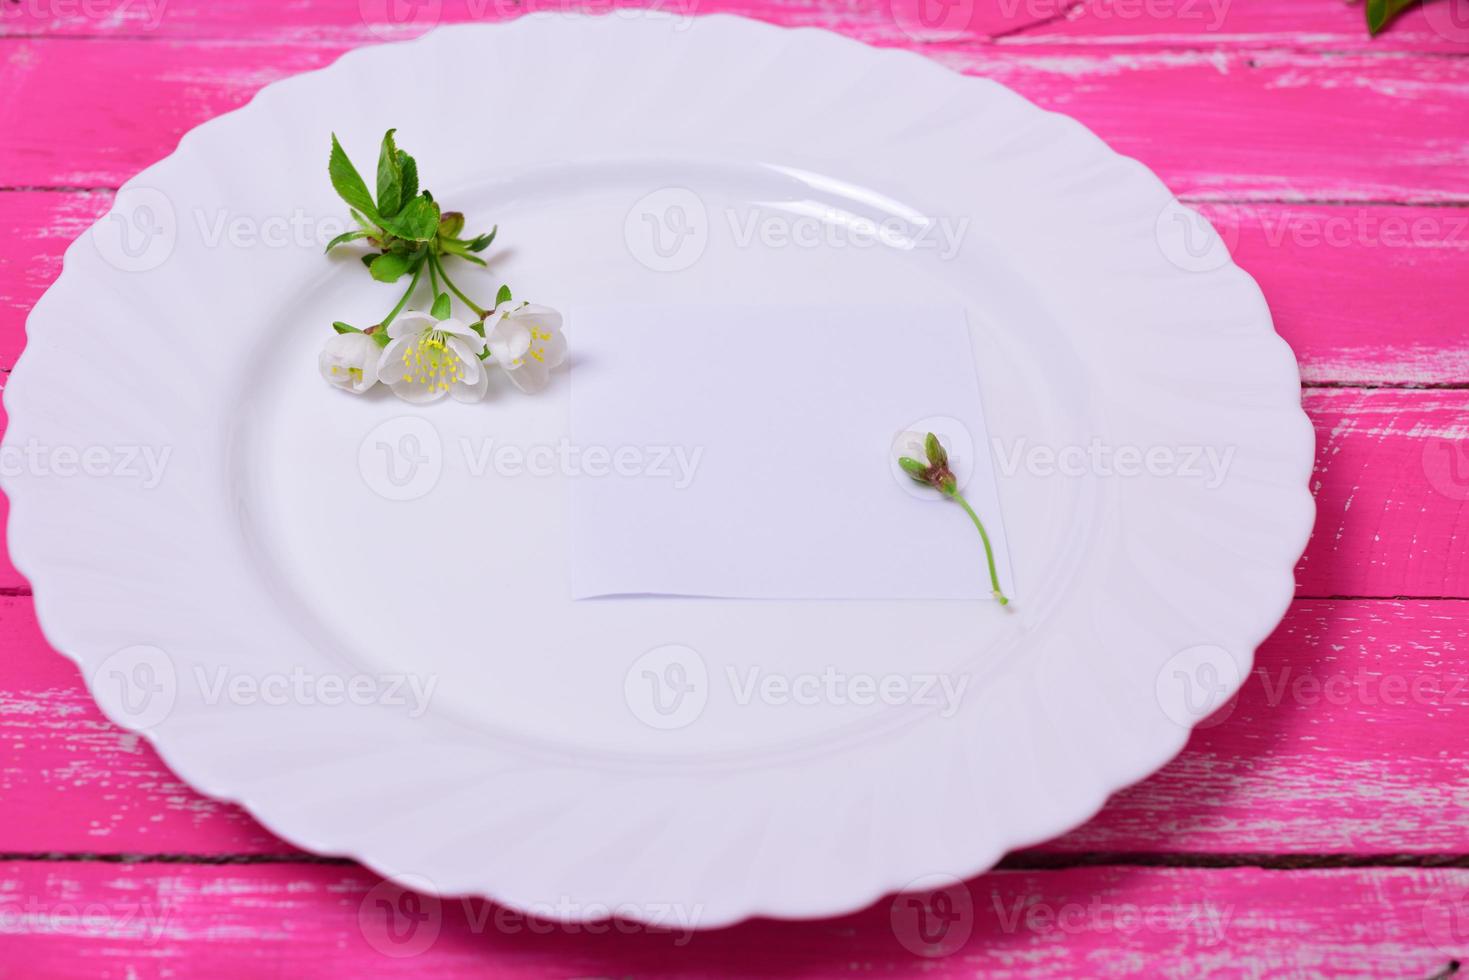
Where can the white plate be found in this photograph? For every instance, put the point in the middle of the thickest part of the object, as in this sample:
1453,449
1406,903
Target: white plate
270,556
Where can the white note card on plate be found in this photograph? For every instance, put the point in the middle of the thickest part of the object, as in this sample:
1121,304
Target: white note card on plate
746,452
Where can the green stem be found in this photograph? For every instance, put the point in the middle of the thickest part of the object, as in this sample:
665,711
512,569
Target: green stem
412,285
989,552
433,280
479,311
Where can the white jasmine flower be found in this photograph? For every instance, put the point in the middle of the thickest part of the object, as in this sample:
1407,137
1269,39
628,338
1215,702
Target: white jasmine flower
349,361
427,359
527,342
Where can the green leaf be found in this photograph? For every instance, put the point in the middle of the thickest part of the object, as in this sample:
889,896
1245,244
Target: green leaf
418,221
451,224
408,167
503,296
348,182
344,237
442,308
341,327
481,242
389,177
390,266
1380,12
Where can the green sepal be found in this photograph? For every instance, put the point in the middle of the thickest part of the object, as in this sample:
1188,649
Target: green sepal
344,238
481,242
937,455
912,467
382,338
341,327
443,308
455,247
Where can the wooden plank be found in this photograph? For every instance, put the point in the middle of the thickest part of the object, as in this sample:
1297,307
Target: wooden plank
72,781
94,920
1341,741
1347,737
1392,494
1218,125
1334,278
1321,24
1364,295
1440,25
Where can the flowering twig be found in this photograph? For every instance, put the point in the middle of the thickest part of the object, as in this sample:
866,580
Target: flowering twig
426,355
933,470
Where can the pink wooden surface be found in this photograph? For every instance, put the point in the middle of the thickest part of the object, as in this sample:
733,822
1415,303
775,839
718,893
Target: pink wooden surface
1334,165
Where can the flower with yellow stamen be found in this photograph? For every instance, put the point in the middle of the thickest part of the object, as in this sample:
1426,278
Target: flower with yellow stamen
349,361
427,359
526,341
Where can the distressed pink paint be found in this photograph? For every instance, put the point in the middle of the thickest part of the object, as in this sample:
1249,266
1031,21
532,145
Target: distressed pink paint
1345,739
1440,25
290,920
1293,131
